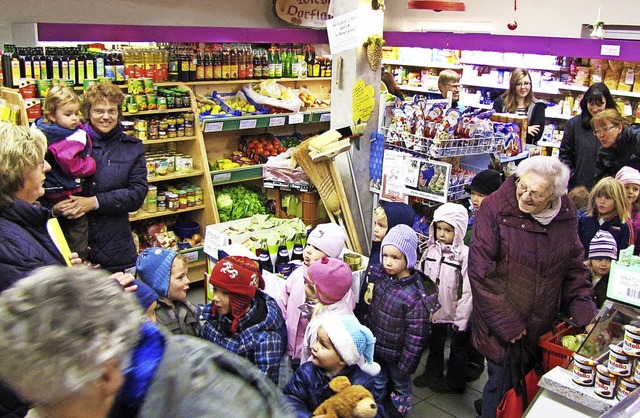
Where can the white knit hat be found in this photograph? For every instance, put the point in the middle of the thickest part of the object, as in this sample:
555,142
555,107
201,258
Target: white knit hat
353,341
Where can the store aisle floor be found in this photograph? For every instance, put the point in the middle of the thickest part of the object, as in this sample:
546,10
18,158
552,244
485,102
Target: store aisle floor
426,402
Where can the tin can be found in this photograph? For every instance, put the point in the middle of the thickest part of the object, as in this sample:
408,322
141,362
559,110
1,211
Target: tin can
605,385
132,108
152,101
186,164
584,370
148,85
619,363
171,163
141,101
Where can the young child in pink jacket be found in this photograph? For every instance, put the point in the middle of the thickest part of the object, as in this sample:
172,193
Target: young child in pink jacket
326,240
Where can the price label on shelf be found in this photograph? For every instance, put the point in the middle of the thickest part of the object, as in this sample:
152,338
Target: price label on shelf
296,118
325,117
213,127
277,121
248,123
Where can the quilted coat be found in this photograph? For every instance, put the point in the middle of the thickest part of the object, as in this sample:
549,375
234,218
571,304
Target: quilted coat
120,184
521,272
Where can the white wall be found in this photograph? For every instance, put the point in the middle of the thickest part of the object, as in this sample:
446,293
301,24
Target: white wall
561,18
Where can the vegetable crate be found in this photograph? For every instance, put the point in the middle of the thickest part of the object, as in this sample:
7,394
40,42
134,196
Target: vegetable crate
553,353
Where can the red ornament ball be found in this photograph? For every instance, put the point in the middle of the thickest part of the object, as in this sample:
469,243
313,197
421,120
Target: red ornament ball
512,25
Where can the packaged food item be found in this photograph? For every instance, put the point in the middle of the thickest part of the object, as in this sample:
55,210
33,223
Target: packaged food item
584,370
605,385
619,363
625,387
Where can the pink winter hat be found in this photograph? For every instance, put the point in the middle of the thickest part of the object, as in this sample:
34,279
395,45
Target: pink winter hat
331,278
328,238
628,175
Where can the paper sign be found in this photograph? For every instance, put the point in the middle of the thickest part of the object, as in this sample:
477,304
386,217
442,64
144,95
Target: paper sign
248,123
392,184
343,32
214,240
610,50
296,118
213,127
325,117
362,101
277,121
221,177
191,256
303,13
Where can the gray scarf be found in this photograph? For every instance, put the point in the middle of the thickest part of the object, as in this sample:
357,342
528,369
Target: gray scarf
546,215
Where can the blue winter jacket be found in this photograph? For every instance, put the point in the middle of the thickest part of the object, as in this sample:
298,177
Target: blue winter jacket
120,184
25,244
309,387
588,226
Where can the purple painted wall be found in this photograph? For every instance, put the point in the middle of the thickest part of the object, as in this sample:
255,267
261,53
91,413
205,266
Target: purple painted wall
588,48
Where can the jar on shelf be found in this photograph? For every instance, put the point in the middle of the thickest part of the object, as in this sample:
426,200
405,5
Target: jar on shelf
163,126
152,129
173,203
182,199
189,120
198,196
127,127
179,126
162,202
191,197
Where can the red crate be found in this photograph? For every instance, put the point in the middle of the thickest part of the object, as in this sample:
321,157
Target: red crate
553,353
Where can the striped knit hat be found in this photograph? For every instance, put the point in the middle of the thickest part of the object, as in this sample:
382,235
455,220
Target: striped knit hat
603,245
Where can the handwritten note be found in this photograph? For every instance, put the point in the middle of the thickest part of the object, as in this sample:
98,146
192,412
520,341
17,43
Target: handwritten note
296,118
362,102
247,124
325,117
343,32
277,121
213,126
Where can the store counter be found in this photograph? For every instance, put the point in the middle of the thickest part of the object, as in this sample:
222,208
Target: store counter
560,396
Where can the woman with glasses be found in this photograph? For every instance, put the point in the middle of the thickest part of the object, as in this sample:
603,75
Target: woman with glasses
620,143
525,262
119,185
580,146
519,99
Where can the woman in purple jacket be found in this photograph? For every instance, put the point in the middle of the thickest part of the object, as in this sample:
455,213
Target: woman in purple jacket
119,185
525,262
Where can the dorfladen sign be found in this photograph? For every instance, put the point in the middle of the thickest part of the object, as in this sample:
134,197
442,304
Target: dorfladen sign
304,13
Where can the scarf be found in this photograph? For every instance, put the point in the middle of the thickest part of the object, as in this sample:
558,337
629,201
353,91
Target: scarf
145,359
116,132
546,216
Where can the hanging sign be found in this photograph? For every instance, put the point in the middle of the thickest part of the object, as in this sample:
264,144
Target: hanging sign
304,13
362,102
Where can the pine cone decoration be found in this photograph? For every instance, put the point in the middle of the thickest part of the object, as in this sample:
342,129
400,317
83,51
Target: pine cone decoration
374,56
374,51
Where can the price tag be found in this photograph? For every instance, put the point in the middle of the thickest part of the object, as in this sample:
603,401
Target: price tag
296,118
191,256
277,121
213,127
248,123
325,117
221,177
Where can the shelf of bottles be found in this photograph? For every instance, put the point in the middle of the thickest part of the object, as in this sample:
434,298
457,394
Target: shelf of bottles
175,62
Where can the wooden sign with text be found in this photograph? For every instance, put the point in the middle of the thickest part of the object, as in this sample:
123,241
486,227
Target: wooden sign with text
304,13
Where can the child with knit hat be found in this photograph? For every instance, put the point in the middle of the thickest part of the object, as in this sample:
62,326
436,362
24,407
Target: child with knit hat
602,251
483,184
328,291
630,178
147,298
326,240
399,315
385,216
242,318
165,271
343,347
445,261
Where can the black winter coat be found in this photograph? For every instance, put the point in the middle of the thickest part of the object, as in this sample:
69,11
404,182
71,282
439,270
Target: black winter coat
625,152
578,150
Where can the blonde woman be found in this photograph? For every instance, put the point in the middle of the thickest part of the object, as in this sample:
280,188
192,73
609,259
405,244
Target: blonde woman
519,99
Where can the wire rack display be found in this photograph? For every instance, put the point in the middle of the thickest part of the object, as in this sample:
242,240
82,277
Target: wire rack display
439,148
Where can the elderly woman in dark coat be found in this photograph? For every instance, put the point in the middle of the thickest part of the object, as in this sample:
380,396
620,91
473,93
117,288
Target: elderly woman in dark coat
620,143
119,185
524,263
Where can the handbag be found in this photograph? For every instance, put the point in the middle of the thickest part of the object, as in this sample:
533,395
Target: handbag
519,358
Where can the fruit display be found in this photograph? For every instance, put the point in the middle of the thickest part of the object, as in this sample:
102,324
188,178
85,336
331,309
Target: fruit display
241,104
207,106
310,100
260,147
237,159
273,94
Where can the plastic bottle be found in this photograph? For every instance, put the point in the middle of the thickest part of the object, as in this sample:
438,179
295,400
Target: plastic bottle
264,257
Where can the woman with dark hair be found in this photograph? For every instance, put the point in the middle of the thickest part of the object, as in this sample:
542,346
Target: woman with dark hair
580,146
519,99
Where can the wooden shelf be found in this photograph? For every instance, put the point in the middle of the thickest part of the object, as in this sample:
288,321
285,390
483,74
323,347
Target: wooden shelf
246,81
248,173
174,176
165,140
149,215
158,112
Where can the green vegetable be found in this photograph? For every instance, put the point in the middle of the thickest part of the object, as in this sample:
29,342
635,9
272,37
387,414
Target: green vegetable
235,202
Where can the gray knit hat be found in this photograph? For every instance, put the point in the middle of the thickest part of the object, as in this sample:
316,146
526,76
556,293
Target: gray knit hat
404,238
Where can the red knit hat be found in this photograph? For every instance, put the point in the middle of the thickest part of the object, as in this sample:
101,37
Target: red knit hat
241,278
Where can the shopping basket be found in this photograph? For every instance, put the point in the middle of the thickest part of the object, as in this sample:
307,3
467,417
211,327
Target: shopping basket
553,353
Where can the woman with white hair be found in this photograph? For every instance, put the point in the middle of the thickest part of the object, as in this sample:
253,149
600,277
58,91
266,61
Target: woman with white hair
525,263
75,345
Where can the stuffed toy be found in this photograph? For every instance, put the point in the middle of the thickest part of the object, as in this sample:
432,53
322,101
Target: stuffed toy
350,401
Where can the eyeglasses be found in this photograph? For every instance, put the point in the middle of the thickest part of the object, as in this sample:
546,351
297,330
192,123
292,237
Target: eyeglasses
102,112
523,84
453,85
603,130
537,196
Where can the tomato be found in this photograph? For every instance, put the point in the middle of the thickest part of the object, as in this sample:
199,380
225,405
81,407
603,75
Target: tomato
263,141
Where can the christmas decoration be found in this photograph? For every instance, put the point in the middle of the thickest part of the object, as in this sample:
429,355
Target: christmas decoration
374,45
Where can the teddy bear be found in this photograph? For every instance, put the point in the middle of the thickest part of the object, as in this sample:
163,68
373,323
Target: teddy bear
350,401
